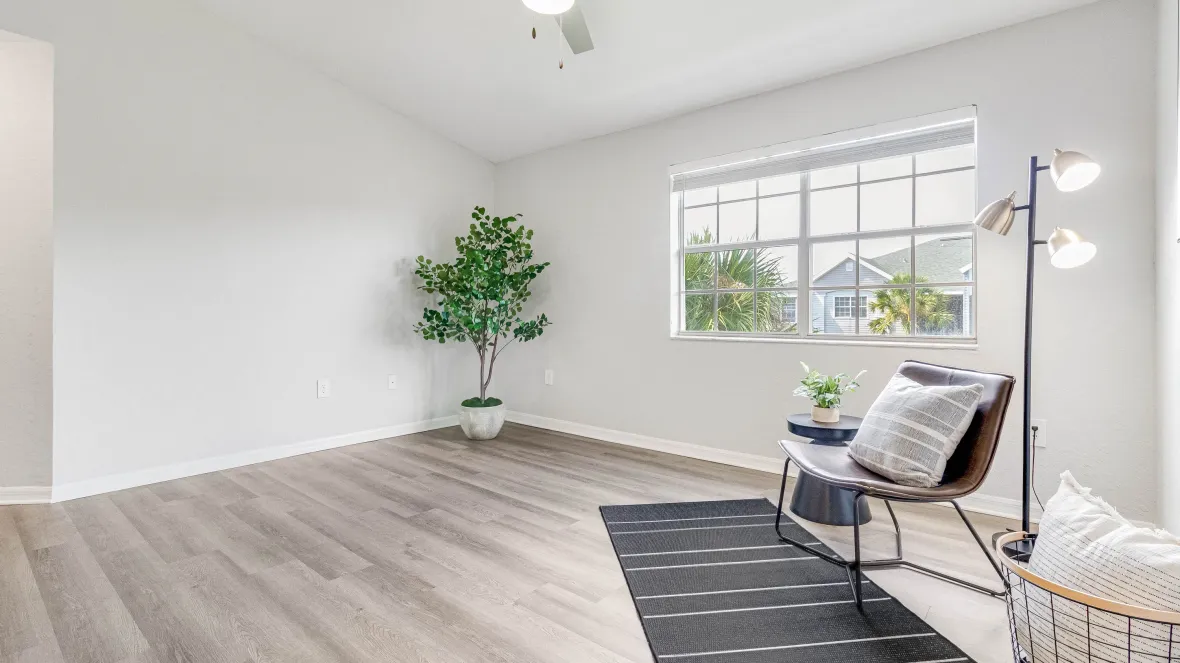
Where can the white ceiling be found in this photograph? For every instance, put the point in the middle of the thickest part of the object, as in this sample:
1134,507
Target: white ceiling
469,70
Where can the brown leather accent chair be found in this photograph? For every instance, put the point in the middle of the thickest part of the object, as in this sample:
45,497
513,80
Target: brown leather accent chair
965,471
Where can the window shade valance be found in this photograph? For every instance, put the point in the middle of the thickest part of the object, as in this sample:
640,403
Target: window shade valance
951,134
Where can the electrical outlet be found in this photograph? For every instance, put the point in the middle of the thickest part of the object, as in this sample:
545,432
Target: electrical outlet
393,382
549,376
1042,440
323,388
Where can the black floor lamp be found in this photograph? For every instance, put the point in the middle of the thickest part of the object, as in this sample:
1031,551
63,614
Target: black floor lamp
1070,171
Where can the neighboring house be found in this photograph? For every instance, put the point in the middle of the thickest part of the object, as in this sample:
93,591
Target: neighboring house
946,260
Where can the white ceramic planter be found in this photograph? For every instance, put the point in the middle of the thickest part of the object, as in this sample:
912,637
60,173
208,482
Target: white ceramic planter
825,415
482,423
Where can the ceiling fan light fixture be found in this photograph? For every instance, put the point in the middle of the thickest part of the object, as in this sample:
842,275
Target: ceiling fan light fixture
549,7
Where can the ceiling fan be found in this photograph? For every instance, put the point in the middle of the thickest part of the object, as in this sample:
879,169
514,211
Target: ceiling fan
570,21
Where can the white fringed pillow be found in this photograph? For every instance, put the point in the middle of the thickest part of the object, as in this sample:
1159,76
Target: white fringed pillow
912,430
1084,544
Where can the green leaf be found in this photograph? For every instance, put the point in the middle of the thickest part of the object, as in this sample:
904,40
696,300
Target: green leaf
482,402
824,390
479,295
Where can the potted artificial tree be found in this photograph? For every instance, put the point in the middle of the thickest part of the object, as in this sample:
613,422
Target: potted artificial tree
480,297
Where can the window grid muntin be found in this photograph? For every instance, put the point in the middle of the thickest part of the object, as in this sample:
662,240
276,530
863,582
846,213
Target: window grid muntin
802,244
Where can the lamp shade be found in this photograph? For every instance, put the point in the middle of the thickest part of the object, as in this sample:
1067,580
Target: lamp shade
549,6
998,216
1067,249
1073,170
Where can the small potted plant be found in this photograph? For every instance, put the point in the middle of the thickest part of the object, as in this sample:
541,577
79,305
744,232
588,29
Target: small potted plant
825,392
480,297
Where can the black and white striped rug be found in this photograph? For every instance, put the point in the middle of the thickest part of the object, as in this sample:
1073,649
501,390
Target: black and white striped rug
713,584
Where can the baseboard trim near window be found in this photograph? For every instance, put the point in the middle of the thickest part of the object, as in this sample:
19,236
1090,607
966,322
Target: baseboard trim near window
12,495
699,452
991,505
107,484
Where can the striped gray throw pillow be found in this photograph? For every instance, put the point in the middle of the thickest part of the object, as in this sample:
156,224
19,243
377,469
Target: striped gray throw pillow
912,430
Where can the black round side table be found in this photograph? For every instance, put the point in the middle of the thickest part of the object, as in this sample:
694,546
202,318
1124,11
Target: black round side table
813,499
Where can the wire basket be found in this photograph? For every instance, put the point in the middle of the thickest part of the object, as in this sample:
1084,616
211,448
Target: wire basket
1051,623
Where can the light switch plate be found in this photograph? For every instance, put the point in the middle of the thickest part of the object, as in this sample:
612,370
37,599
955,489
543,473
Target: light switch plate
393,382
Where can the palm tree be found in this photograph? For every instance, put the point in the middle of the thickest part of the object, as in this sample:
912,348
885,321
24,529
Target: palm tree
735,270
894,306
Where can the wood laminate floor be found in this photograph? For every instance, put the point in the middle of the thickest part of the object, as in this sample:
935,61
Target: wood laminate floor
420,548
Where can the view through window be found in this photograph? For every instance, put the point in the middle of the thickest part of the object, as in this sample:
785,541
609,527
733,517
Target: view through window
770,249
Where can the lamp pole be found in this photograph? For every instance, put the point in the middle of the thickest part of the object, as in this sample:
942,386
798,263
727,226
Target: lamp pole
1034,169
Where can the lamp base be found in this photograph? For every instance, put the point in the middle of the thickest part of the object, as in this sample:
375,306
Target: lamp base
1017,551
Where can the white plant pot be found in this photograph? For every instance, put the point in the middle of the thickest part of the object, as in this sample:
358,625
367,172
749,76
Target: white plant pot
825,415
482,423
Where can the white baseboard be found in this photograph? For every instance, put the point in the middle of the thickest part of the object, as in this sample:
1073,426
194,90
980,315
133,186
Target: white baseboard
24,495
992,505
977,503
107,484
711,454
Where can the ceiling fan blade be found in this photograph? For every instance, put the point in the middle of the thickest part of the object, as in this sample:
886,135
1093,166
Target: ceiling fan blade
577,35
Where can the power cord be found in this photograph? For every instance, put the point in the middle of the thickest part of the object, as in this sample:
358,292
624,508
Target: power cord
1033,476
1032,480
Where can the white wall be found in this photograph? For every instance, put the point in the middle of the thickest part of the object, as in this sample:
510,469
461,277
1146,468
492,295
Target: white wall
1168,271
600,208
26,261
230,226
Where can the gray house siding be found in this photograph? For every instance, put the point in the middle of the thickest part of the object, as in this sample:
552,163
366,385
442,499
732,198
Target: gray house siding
947,260
823,308
823,312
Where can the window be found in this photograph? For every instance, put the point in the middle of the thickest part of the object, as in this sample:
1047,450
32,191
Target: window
864,235
843,307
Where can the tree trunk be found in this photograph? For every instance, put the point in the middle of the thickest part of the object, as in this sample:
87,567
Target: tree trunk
483,390
487,381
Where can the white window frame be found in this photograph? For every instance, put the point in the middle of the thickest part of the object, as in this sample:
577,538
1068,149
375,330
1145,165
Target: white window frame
804,242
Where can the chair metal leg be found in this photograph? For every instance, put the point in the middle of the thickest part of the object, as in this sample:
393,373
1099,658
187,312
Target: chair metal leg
899,562
782,492
896,527
986,553
852,569
856,567
856,582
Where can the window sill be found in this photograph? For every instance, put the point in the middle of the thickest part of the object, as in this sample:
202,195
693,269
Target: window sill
957,344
